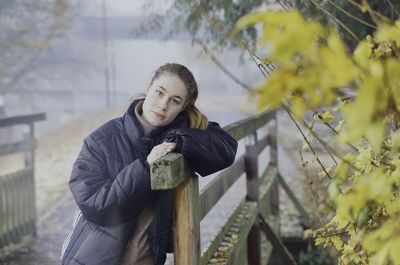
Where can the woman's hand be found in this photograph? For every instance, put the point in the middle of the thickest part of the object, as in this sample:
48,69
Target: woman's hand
160,150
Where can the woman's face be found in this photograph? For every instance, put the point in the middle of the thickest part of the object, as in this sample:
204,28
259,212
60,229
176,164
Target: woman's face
165,98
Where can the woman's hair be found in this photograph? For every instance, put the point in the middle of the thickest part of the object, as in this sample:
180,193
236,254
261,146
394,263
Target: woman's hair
197,119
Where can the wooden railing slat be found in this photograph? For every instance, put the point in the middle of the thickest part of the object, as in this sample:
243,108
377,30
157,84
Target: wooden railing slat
252,195
261,144
22,119
31,205
241,129
294,199
3,216
23,146
11,209
216,188
235,251
263,118
13,205
27,171
8,226
247,126
273,160
16,192
27,206
214,243
276,242
21,199
266,180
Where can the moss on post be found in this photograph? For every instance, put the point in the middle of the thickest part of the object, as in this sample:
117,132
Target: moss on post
168,172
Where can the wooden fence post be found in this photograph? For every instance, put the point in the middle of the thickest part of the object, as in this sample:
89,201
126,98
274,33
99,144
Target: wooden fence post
172,172
252,187
29,155
274,193
187,222
17,191
30,163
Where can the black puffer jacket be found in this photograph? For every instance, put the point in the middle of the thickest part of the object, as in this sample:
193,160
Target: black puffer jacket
110,182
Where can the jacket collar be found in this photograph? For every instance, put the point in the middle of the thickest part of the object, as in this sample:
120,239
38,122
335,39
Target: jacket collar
134,130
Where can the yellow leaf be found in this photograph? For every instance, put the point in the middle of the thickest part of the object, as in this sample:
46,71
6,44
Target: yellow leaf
389,33
393,207
298,107
326,117
394,252
362,53
393,70
341,170
375,133
381,257
249,20
333,189
363,217
308,233
319,241
337,242
334,58
338,128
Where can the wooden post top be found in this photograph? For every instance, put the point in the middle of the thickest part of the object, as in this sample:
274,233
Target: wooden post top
169,171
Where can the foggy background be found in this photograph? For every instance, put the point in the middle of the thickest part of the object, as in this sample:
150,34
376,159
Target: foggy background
97,62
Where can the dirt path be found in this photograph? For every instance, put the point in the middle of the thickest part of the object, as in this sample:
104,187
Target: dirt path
51,231
56,153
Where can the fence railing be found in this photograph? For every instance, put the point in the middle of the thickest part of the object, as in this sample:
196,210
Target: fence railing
239,241
17,191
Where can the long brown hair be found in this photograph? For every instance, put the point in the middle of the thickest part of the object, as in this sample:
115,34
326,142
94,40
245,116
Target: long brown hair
197,119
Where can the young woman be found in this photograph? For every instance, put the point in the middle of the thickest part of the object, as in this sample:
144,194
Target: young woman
120,219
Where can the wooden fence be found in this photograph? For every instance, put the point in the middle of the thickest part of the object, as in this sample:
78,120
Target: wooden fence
17,192
240,240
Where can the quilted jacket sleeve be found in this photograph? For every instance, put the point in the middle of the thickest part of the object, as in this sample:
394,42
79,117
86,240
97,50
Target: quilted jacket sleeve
206,151
105,199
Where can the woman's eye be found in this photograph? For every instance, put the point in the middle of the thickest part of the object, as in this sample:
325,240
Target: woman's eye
159,92
177,102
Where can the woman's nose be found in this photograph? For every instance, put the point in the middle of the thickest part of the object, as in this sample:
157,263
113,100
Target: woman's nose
163,103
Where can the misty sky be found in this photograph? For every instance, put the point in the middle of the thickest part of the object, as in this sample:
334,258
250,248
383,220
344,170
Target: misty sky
116,8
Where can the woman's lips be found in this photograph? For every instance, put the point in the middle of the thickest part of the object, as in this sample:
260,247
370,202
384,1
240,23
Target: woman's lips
160,116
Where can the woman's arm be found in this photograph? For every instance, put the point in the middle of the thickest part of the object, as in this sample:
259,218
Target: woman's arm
206,151
105,199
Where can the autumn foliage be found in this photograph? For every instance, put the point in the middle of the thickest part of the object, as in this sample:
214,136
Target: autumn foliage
314,70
